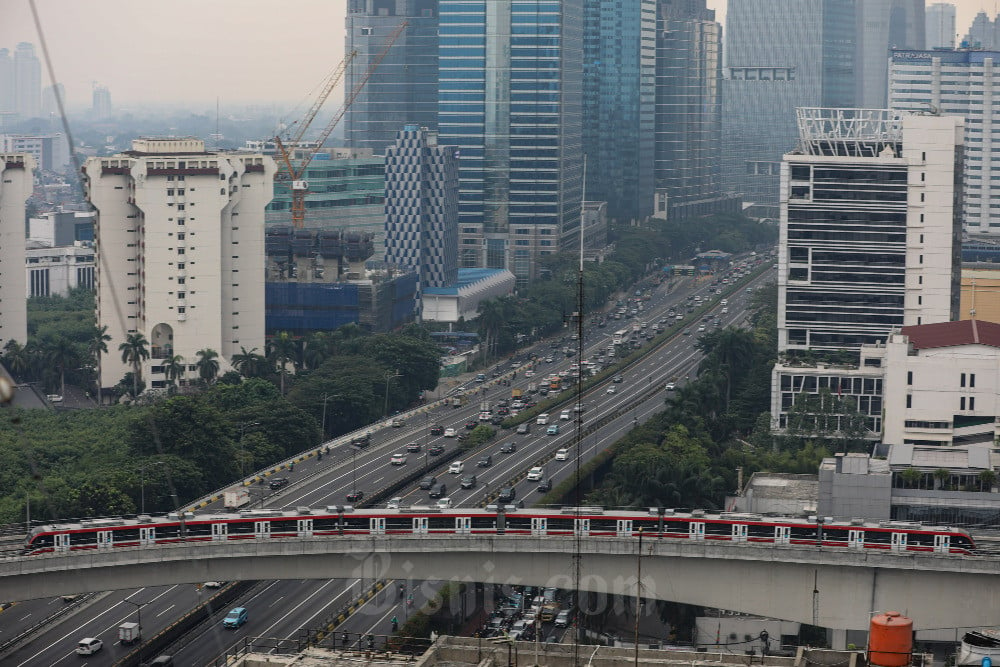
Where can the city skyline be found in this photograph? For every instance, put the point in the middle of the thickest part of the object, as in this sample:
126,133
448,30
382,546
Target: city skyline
220,30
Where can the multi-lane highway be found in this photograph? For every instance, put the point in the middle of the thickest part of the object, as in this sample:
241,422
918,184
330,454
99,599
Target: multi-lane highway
281,608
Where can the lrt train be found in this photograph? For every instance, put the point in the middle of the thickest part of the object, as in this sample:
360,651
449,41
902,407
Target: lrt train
590,522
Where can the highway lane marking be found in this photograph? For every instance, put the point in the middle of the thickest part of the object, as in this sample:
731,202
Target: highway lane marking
268,631
165,610
25,617
276,601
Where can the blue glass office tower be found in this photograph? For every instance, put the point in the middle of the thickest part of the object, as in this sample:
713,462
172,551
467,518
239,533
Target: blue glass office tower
403,89
510,98
619,93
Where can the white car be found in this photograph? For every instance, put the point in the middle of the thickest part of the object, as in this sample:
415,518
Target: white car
456,467
542,419
701,328
394,503
670,386
562,454
214,584
443,503
89,646
725,302
449,433
611,390
535,473
725,311
529,373
564,415
398,459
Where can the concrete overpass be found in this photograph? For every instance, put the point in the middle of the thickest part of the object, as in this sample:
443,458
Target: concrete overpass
937,591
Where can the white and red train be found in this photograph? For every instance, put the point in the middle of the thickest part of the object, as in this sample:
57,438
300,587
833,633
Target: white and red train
335,521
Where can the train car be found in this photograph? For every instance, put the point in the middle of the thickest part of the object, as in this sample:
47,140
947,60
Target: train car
591,522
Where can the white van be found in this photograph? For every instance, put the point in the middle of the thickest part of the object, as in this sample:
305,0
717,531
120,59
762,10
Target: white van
456,467
542,418
536,473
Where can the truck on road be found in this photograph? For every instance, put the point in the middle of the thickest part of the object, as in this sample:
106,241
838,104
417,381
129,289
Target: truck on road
515,394
456,402
129,633
236,499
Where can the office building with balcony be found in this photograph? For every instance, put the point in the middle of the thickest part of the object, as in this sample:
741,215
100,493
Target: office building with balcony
403,89
870,235
179,251
16,183
511,100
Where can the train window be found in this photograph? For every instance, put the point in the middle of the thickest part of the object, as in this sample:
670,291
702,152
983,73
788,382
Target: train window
198,529
760,531
806,533
397,523
920,539
327,523
835,535
127,535
42,542
878,536
961,542
484,522
675,526
241,528
650,525
169,531
515,522
560,524
712,528
603,525
441,523
355,523
284,526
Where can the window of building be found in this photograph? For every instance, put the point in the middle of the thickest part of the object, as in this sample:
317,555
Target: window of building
972,402
972,379
909,400
180,236
961,380
961,403
181,295
909,377
181,309
180,251
367,31
180,207
170,192
181,265
180,281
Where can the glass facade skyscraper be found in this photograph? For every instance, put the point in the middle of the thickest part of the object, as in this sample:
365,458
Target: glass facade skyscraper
403,89
510,82
619,90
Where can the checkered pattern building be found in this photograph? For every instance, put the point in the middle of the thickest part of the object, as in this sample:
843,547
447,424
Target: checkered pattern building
421,207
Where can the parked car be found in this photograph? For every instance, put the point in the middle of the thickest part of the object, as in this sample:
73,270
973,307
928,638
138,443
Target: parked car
468,482
214,584
413,447
485,461
427,482
355,496
434,450
437,429
235,618
398,459
89,646
278,482
562,619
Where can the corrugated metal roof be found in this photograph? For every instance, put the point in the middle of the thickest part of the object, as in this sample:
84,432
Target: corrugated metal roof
950,334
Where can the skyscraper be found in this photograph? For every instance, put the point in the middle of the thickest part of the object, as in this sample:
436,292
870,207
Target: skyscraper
50,105
883,25
421,207
959,83
773,66
101,106
688,125
8,103
870,234
511,100
939,21
619,94
403,90
27,81
982,33
16,182
180,252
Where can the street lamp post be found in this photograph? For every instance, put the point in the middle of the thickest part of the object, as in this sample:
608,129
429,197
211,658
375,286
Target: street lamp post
388,376
138,611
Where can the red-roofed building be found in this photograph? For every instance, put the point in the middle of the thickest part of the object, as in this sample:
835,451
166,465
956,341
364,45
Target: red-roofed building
950,334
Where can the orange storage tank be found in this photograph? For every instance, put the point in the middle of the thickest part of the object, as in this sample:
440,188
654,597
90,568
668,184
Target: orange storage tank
890,640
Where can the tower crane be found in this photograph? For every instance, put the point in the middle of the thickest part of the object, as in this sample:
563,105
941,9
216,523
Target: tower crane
296,168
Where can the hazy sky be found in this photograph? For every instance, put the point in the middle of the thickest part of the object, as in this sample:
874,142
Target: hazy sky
192,51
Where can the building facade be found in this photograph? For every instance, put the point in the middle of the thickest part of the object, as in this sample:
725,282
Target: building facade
403,89
870,236
939,21
619,94
54,271
688,157
982,34
511,101
959,83
16,183
100,108
180,252
51,151
421,207
7,102
27,81
883,25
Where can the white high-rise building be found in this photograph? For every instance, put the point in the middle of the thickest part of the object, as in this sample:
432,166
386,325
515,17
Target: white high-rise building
870,236
959,83
179,237
27,81
939,20
16,181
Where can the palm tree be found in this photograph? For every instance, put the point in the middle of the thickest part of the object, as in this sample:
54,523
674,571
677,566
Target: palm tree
249,363
942,475
281,350
62,353
134,351
911,477
208,364
173,367
987,478
492,317
97,346
17,358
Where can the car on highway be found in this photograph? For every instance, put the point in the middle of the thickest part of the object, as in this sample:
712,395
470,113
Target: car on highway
235,618
485,461
456,468
361,440
562,454
701,329
564,415
617,379
481,377
355,496
398,422
611,389
214,584
437,429
553,429
536,474
398,459
394,503
542,419
450,432
468,482
434,450
545,485
670,386
278,482
413,447
427,482
508,448
439,490
471,424
443,504
524,428
89,646
562,619
507,494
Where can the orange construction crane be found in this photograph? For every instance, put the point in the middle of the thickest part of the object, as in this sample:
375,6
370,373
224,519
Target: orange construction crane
296,168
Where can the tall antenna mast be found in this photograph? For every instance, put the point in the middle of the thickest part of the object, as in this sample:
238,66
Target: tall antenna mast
577,555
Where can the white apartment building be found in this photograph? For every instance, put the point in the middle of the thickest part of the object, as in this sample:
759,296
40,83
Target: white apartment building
870,239
16,183
964,84
179,239
54,271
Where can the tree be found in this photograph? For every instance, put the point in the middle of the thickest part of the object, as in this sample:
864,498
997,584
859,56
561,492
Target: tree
281,351
250,364
134,351
942,476
987,479
493,313
62,354
911,477
208,365
173,368
97,347
17,358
